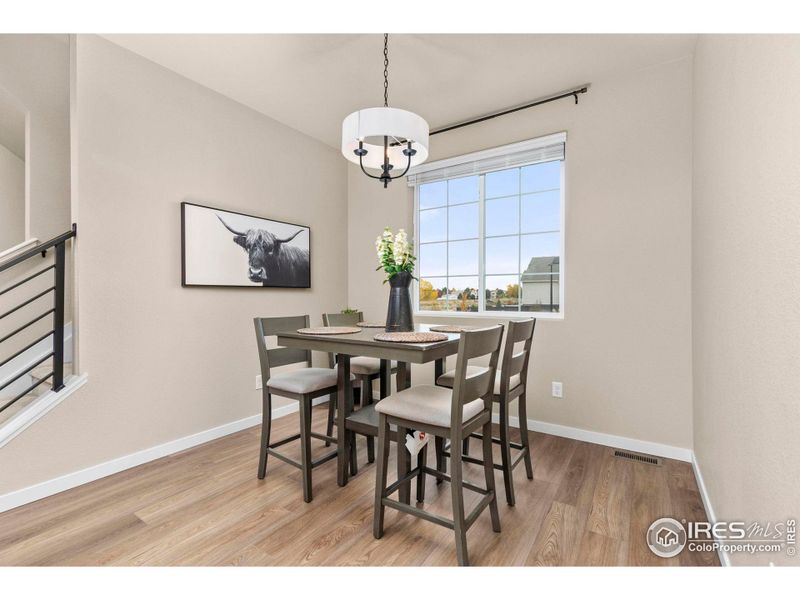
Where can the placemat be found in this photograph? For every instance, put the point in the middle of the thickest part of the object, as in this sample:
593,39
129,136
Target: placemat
451,328
328,330
410,337
371,325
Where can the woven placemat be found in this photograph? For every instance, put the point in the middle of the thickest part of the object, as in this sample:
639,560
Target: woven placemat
328,330
451,328
410,337
371,325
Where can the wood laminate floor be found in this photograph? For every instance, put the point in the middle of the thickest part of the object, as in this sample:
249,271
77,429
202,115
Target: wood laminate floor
204,506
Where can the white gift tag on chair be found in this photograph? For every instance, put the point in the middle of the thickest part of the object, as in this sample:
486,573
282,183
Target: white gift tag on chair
416,441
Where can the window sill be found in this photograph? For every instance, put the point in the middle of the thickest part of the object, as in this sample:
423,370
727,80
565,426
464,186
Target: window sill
504,315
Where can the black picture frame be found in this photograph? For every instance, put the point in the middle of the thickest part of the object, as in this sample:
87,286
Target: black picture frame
305,282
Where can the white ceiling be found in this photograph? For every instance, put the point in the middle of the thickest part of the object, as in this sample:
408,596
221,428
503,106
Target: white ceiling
311,82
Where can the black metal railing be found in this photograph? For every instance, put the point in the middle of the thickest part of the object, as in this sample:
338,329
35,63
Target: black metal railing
56,375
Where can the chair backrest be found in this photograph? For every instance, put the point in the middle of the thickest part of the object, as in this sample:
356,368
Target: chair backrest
516,364
474,344
340,320
277,357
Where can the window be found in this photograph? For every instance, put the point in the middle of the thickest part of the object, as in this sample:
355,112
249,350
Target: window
489,230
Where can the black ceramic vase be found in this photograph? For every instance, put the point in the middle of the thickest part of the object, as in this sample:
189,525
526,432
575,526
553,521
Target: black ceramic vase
399,316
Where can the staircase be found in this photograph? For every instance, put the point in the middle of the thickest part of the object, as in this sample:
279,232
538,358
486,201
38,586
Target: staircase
34,363
35,374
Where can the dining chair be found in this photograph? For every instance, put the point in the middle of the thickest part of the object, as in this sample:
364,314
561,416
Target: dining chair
453,414
510,383
303,385
366,369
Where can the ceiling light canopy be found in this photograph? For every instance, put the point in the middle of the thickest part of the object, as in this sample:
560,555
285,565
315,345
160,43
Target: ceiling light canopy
384,138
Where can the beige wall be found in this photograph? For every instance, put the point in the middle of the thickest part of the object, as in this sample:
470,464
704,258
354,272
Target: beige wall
12,199
35,70
746,219
623,350
163,361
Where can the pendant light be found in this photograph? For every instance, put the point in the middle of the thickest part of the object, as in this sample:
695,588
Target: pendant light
384,138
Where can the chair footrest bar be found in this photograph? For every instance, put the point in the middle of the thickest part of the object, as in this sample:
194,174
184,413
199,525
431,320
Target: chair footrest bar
516,461
495,440
324,459
473,460
284,458
478,509
446,477
396,485
323,437
418,512
286,440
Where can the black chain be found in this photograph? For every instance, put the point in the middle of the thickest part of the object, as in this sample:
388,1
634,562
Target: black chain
386,69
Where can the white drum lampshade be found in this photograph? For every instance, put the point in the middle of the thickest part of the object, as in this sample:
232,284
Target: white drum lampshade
370,125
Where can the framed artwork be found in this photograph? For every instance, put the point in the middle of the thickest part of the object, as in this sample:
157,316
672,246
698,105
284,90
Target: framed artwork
224,248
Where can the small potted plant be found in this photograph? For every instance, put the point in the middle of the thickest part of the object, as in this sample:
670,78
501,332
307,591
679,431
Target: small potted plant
397,261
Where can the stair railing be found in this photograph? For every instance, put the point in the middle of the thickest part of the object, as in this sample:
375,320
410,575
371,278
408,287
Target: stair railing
56,376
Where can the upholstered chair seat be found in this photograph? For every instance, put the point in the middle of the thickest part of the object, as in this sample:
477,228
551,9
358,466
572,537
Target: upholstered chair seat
427,404
304,381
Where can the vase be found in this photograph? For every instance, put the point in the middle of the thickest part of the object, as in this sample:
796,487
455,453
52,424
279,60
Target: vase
399,316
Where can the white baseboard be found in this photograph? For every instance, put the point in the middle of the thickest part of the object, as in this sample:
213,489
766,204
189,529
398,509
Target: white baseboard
724,559
71,480
605,439
89,474
38,408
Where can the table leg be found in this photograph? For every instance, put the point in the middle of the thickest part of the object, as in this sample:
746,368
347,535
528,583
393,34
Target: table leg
438,369
344,403
386,378
403,375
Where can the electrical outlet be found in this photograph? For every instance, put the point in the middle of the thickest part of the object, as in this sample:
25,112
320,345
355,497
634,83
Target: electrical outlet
558,389
258,382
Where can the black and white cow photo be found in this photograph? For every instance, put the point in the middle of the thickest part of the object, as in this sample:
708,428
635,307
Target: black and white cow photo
224,248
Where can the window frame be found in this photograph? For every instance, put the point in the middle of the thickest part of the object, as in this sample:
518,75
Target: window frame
482,313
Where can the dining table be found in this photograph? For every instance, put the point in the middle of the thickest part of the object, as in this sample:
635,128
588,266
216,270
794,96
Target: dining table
365,420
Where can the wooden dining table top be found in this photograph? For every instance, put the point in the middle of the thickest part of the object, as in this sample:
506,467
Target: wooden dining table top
364,344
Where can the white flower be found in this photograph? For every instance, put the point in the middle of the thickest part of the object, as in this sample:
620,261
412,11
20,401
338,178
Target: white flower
401,248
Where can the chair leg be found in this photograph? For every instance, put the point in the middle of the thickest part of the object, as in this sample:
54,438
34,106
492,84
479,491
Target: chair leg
441,460
403,466
351,439
524,436
422,461
353,454
380,476
465,446
488,473
305,446
505,453
459,524
331,413
366,399
266,427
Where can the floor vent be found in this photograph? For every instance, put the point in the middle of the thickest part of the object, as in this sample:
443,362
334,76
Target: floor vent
645,458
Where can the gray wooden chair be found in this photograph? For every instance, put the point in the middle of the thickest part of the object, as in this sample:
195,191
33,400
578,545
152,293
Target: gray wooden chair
453,414
510,384
366,369
303,385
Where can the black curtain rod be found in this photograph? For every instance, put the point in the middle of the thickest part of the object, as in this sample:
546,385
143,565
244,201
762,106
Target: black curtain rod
570,94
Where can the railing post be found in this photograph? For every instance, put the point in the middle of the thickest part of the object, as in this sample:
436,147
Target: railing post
58,320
